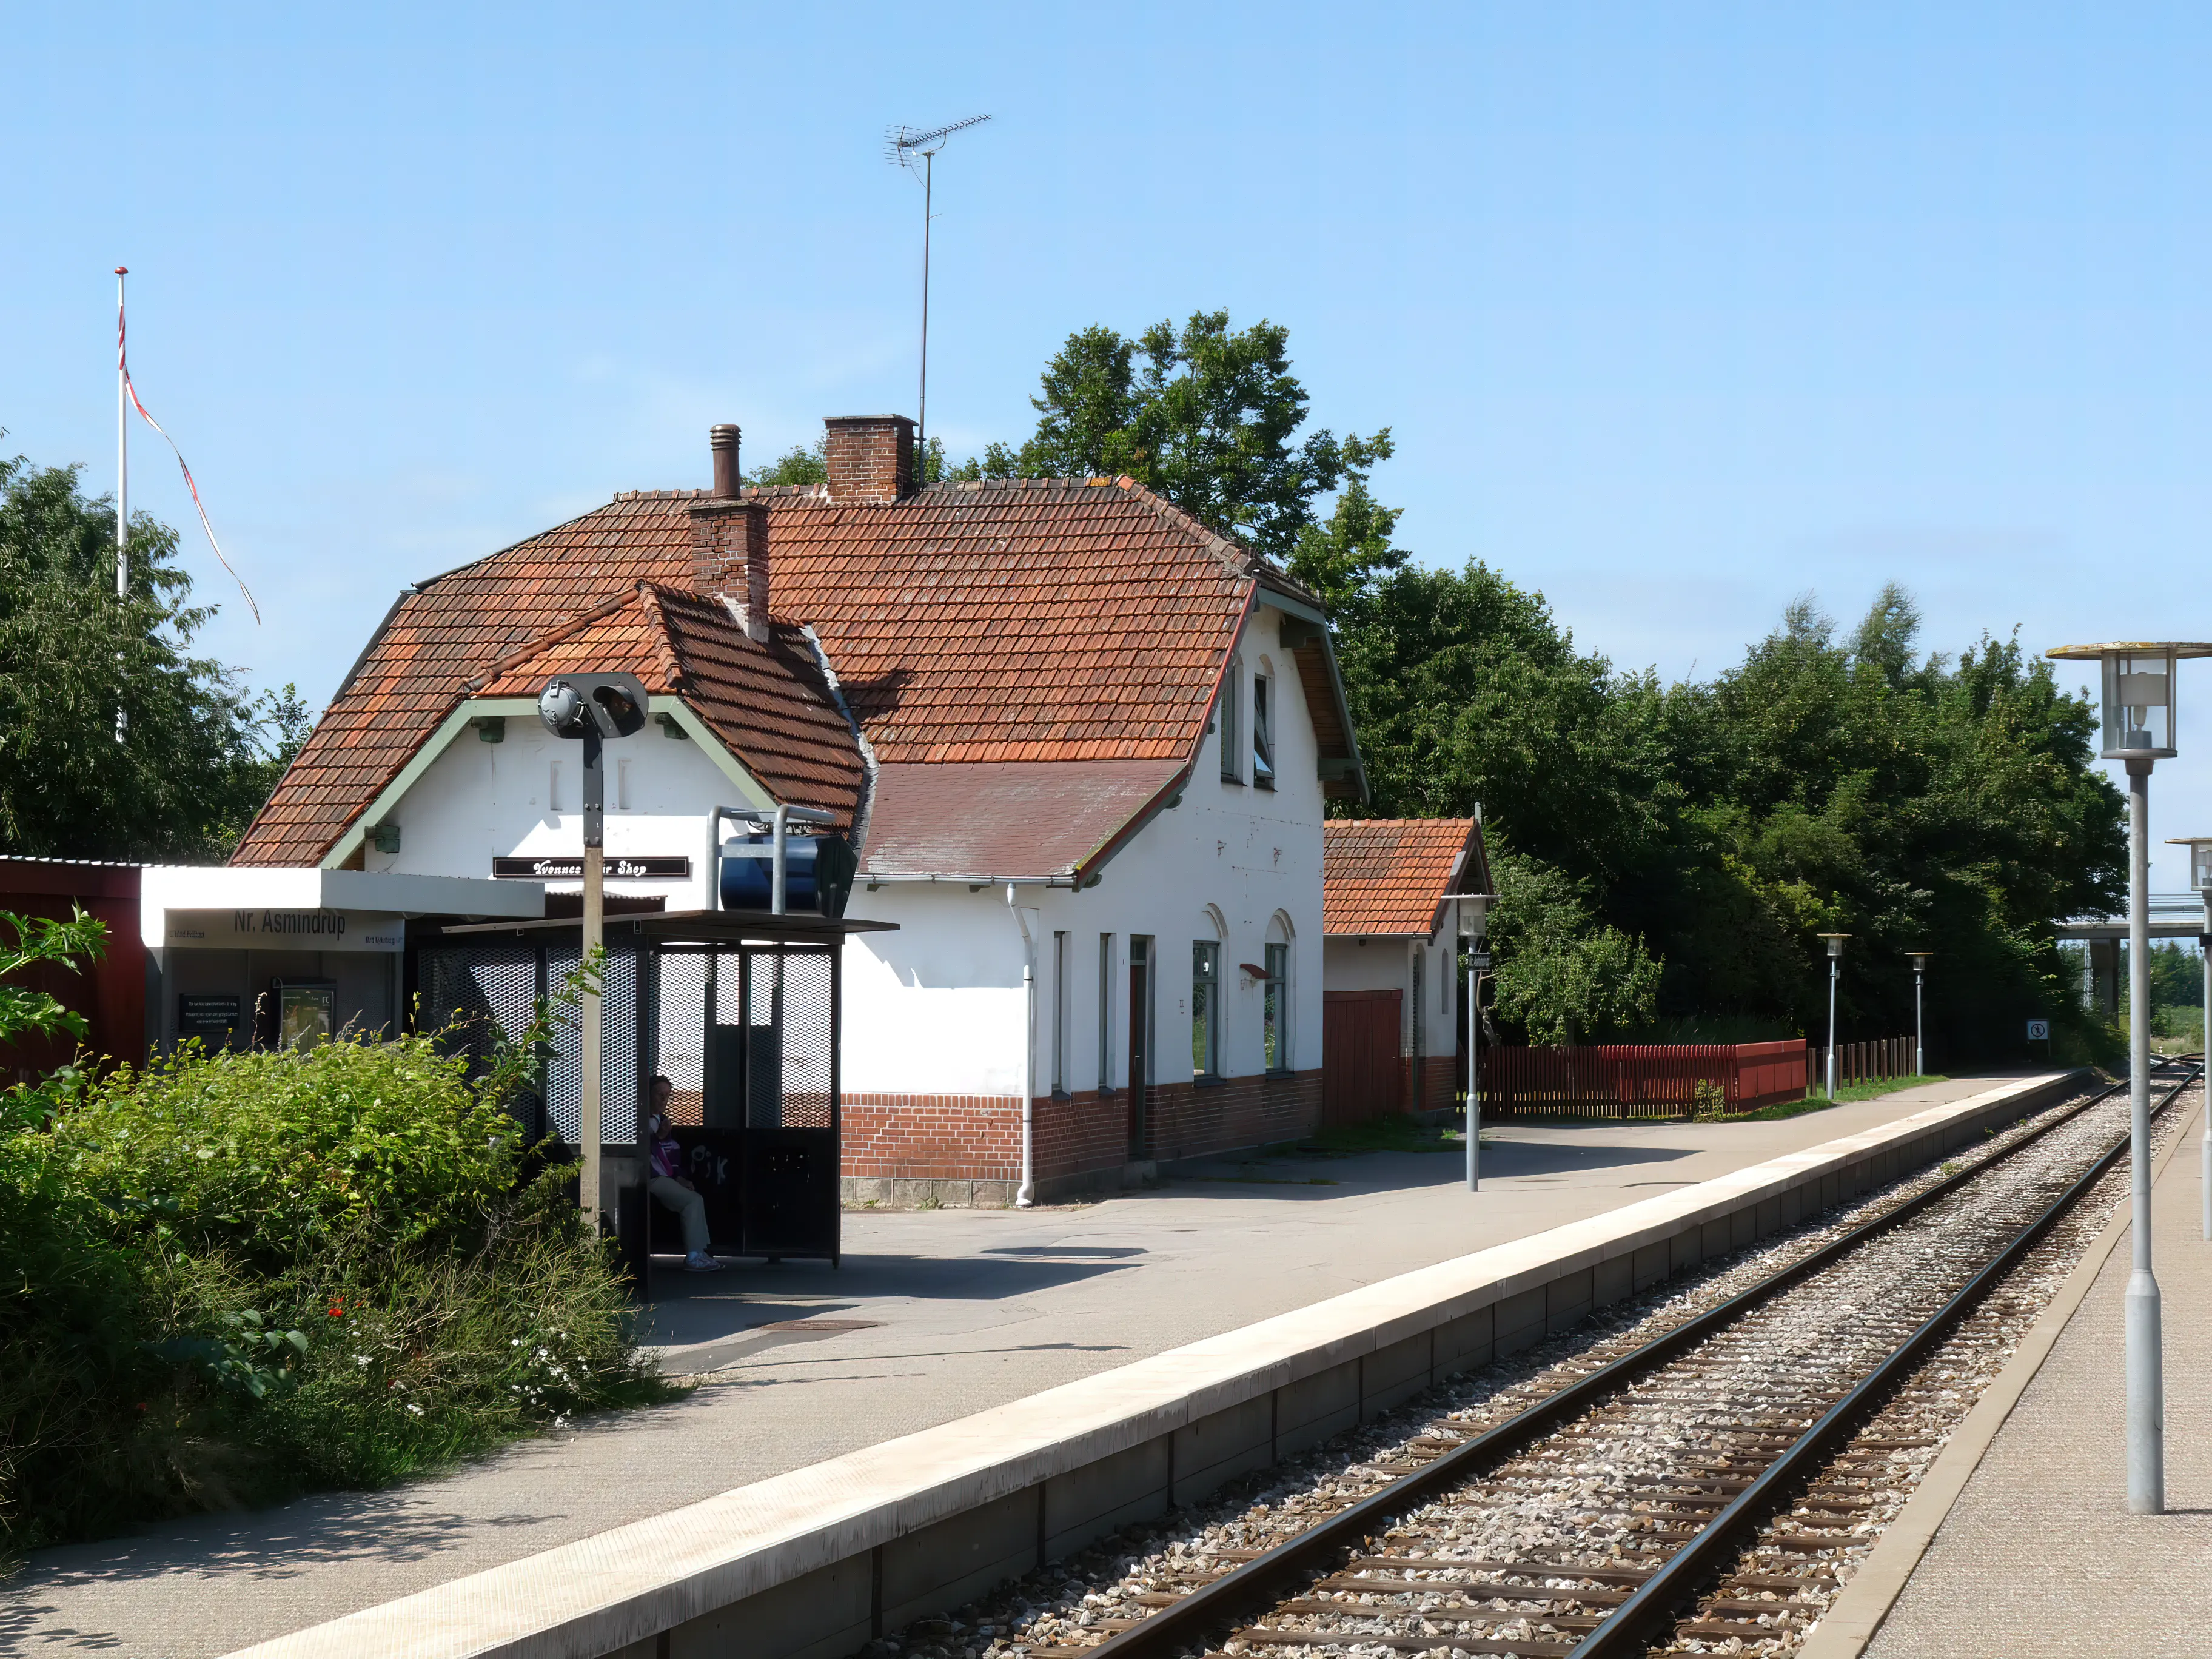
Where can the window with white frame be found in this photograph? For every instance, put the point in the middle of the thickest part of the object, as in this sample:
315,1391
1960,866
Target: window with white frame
1105,1012
1275,1008
1263,732
1206,1008
1059,1012
1233,736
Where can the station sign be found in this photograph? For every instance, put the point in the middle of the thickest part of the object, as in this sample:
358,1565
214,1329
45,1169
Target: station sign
1478,960
570,867
262,929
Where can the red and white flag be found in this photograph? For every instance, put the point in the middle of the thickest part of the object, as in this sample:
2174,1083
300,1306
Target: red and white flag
123,368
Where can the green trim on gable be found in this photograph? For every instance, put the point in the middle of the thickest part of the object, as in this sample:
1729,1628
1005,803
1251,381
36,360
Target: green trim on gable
470,709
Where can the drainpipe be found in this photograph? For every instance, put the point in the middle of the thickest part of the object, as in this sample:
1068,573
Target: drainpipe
1026,1196
776,874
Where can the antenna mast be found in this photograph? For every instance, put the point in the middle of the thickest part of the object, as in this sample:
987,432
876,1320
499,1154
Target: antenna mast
916,151
122,449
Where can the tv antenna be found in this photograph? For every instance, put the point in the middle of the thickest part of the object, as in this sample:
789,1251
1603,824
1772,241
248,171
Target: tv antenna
916,151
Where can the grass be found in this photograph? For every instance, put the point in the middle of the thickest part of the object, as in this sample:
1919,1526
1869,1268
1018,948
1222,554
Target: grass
1873,1089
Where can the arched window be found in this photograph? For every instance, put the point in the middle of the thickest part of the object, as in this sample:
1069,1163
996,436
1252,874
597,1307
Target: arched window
1275,996
1205,999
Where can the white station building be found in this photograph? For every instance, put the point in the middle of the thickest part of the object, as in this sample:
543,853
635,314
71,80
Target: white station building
1078,746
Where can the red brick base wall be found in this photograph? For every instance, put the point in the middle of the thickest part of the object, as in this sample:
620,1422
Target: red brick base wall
1188,1122
948,1137
979,1136
1442,1076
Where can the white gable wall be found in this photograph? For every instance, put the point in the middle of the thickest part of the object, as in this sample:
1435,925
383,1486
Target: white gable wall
477,801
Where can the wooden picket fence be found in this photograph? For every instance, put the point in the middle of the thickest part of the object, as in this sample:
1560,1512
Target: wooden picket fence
1861,1062
1640,1080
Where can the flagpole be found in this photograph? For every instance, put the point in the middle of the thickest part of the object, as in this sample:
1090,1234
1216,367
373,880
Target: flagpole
122,450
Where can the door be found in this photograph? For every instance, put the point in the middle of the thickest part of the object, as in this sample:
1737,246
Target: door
1363,1070
1140,1042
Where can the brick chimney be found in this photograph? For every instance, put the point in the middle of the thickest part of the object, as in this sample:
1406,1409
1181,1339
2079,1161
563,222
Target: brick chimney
729,540
870,457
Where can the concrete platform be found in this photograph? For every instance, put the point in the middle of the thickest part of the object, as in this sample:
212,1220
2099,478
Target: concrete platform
976,1309
2038,1553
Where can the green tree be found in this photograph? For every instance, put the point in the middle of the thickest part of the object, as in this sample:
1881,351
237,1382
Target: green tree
1563,975
115,740
1206,415
802,463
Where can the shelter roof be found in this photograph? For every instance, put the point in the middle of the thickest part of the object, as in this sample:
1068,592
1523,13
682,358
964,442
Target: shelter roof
1388,878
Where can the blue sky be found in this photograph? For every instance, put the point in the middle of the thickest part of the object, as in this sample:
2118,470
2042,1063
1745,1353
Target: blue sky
1676,312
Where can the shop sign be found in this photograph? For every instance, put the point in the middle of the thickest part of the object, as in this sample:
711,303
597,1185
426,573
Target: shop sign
261,929
570,867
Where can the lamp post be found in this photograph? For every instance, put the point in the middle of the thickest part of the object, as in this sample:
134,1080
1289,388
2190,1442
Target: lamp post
592,707
2138,708
1919,1020
1474,939
1835,970
2200,877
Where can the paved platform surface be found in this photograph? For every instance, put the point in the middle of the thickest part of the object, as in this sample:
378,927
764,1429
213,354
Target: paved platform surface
973,1309
2039,1555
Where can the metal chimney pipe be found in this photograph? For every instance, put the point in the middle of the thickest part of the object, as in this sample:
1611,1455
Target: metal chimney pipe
723,441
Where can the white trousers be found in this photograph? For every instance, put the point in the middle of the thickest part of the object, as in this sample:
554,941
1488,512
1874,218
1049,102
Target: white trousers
690,1206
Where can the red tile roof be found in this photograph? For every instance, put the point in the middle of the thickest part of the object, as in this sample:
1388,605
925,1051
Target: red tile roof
1389,877
767,701
1053,620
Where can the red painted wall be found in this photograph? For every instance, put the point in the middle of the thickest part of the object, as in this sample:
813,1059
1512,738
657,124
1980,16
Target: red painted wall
112,993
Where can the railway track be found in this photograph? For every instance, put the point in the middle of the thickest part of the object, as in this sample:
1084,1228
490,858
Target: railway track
1690,1491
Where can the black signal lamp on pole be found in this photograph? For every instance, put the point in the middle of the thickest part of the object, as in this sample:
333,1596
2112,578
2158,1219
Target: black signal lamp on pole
592,708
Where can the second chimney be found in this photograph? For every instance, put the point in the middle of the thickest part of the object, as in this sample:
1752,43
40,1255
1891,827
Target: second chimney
729,541
870,457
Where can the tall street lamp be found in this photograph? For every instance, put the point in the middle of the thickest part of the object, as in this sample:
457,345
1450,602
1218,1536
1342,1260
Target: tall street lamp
1835,970
2138,729
1919,1020
2200,877
1474,942
592,707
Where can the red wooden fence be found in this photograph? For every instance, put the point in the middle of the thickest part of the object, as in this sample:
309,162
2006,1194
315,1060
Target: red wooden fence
1640,1079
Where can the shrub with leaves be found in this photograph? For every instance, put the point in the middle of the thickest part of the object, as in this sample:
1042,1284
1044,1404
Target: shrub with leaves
228,1276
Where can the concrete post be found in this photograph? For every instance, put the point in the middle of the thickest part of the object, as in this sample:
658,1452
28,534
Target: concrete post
589,1130
2146,1383
1474,1079
2204,956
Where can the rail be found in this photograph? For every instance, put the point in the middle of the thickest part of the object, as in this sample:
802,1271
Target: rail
1190,1619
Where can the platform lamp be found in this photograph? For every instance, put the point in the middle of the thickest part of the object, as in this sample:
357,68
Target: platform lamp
1919,1021
592,708
1835,972
2137,728
2200,877
1474,944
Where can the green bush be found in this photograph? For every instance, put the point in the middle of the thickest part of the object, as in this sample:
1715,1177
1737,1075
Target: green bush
232,1276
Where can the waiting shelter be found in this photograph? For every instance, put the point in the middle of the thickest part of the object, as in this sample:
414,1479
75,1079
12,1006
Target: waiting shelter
740,1011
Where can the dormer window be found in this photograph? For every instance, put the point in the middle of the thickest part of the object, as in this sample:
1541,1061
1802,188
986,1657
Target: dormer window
1232,727
1263,733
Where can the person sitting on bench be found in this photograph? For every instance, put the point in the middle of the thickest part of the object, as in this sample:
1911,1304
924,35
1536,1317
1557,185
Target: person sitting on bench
673,1189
